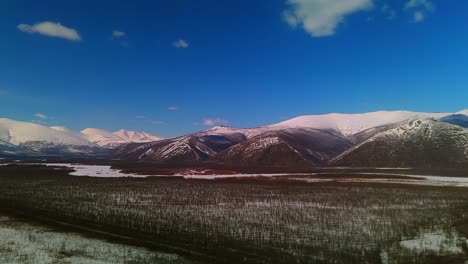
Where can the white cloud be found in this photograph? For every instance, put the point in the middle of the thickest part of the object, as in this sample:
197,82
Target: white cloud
51,29
118,34
389,11
173,108
157,122
215,121
418,16
320,18
425,4
421,7
41,116
121,37
180,44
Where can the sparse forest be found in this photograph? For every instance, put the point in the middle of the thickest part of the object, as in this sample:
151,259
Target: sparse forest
250,220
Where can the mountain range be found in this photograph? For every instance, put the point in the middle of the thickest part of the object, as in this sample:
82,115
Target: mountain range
383,138
34,140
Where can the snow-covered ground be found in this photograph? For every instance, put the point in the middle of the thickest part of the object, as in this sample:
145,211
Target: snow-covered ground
322,177
213,177
27,243
103,171
438,242
457,181
420,179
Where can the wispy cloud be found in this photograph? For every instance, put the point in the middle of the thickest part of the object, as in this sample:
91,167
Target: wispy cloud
121,37
420,9
118,34
41,116
180,44
157,122
425,4
389,11
140,117
321,18
51,29
173,108
418,16
215,121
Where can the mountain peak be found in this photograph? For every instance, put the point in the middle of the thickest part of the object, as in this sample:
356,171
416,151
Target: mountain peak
218,127
350,124
136,136
38,136
220,130
412,143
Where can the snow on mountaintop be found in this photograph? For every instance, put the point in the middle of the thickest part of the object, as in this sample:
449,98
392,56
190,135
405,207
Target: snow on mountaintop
102,137
221,130
112,139
100,134
69,131
414,143
247,132
351,124
136,136
16,132
463,112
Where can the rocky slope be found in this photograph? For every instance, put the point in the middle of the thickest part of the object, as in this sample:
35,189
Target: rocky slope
414,143
287,147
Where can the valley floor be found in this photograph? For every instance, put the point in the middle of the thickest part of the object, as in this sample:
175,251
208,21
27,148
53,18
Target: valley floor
287,219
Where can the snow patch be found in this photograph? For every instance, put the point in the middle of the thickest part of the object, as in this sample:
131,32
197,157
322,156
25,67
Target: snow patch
102,171
436,242
452,181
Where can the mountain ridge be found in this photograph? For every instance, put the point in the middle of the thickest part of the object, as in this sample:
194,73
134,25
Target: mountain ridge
309,140
416,142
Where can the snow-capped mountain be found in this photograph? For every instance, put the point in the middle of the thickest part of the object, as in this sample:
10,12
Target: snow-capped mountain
312,139
136,136
108,139
384,138
102,137
413,143
113,139
352,124
195,147
32,137
70,131
287,147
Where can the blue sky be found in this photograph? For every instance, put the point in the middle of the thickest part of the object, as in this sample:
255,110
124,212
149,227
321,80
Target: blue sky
176,66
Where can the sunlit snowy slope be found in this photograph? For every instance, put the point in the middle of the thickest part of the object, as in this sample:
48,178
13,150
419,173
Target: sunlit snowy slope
383,138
